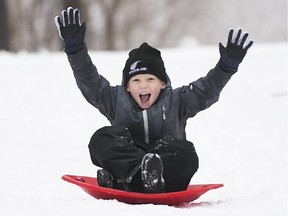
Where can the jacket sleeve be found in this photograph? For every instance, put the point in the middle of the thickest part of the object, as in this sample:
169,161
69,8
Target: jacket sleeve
95,88
204,92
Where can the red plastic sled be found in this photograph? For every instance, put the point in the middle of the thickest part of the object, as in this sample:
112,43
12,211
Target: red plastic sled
90,186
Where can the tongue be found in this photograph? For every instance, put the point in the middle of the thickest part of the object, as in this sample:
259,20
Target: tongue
145,98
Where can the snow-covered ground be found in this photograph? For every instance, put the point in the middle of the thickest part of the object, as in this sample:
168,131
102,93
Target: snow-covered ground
46,124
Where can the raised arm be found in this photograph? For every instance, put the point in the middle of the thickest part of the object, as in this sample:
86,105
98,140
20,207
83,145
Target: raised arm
206,91
95,88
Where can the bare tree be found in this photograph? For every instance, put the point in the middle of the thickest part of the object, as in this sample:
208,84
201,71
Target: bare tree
122,24
4,26
110,8
32,24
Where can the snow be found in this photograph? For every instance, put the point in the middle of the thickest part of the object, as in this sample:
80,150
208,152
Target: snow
46,124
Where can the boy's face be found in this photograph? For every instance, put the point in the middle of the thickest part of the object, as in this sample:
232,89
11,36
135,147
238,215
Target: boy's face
145,89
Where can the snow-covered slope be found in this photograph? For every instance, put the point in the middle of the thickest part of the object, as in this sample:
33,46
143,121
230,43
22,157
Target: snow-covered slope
46,124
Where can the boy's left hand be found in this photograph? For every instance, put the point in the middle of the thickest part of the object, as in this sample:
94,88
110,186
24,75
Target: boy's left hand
235,51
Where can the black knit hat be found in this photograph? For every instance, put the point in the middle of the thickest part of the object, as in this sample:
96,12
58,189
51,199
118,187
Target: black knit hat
144,60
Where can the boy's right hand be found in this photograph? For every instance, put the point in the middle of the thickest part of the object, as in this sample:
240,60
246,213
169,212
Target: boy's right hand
71,30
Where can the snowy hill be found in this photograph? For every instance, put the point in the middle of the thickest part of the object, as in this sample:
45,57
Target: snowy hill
46,125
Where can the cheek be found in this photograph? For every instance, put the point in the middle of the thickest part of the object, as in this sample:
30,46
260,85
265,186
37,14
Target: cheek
135,95
156,93
130,89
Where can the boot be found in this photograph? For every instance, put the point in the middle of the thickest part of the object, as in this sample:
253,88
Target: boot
104,178
152,173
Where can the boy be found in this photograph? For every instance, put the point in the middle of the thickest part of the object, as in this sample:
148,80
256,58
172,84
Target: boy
145,149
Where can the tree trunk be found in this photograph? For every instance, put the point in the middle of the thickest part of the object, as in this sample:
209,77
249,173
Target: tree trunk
4,27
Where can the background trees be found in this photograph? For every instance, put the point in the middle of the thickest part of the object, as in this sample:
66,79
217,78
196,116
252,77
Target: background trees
4,26
123,24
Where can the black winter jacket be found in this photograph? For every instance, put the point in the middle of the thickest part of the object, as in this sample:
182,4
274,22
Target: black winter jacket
167,116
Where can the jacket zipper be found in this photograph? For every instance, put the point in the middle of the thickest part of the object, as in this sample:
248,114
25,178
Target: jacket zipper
164,119
164,113
146,127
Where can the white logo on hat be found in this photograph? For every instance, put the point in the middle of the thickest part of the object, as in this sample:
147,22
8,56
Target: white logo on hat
134,65
133,68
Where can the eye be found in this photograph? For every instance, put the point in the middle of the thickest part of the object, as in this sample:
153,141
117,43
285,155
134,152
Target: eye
135,80
151,79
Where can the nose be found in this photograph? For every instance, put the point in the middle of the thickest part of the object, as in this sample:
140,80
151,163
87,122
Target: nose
143,85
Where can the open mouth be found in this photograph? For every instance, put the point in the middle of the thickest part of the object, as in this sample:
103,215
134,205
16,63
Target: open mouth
144,96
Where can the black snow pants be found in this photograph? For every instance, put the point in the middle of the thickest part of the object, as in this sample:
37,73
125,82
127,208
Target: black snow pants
113,149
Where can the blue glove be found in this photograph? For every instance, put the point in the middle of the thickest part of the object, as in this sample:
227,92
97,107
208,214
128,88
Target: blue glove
71,30
235,51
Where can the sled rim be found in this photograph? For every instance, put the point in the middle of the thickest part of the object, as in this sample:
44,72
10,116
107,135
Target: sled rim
90,186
